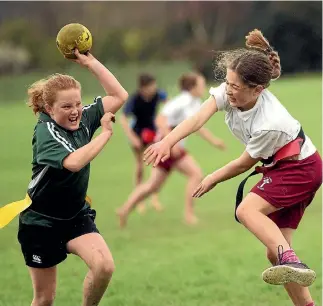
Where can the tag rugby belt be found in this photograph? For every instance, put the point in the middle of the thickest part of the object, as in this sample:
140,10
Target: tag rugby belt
293,148
11,210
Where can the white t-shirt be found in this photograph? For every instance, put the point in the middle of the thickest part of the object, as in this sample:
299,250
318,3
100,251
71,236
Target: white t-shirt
180,108
265,128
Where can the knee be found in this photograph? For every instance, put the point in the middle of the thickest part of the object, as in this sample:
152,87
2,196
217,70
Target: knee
271,257
151,187
44,299
197,176
242,214
104,268
139,168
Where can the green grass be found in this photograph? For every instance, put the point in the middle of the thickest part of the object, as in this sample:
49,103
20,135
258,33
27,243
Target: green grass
160,261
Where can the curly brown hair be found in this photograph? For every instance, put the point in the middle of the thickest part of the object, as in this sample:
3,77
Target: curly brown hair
43,92
257,64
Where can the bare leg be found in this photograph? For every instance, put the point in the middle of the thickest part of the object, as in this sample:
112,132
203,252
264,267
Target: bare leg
298,294
139,173
188,166
155,202
252,213
96,254
44,284
156,180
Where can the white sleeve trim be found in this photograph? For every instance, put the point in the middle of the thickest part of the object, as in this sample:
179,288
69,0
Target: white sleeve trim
92,104
59,138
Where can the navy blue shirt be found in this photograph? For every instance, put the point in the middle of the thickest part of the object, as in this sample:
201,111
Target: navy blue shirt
144,112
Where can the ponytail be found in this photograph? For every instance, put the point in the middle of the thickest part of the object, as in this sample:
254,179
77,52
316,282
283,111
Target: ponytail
35,96
256,40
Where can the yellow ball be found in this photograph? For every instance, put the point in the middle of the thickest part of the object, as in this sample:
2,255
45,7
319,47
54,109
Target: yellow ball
71,36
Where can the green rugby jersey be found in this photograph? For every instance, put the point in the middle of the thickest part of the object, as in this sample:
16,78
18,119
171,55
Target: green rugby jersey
56,192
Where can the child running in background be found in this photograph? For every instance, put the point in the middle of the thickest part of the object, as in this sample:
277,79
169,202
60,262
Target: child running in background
186,104
142,107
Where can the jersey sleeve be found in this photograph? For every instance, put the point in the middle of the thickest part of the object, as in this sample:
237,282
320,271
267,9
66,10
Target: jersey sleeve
162,95
129,106
52,147
93,114
264,144
220,97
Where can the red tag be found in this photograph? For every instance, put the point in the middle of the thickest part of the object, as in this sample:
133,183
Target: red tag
291,149
148,135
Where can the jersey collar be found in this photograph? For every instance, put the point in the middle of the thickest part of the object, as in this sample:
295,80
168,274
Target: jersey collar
45,117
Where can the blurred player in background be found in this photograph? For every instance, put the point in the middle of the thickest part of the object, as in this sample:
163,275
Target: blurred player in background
142,108
292,167
186,104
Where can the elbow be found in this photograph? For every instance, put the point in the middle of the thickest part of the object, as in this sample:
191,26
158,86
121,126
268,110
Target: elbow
73,168
123,96
241,168
72,165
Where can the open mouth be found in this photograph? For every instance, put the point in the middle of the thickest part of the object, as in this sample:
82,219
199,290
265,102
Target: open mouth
73,120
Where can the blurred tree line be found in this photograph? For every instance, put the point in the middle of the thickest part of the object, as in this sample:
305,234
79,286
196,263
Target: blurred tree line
148,31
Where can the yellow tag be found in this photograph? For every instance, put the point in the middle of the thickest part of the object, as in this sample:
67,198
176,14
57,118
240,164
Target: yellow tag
11,210
89,200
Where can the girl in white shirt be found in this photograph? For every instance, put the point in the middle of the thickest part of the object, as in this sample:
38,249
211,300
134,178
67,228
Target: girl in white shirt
292,167
186,104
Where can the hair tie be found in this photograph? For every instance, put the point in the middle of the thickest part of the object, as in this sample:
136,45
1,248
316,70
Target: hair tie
269,50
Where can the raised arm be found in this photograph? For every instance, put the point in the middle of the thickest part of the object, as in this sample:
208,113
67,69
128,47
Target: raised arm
116,94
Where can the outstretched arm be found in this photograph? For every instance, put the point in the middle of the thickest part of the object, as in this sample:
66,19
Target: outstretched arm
161,151
230,170
194,123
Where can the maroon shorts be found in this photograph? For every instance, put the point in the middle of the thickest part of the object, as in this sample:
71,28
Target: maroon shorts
291,186
168,165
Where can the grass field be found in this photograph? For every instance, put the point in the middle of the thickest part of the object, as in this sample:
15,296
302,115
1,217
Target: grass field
159,260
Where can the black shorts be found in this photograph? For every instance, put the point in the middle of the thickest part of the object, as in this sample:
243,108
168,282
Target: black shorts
45,247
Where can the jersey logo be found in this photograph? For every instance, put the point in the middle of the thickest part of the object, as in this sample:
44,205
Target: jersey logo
37,259
266,180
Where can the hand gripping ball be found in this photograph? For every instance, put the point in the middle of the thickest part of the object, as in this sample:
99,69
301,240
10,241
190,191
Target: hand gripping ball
71,36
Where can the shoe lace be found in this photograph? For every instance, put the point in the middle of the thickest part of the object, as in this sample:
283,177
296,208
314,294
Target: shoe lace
280,254
280,259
